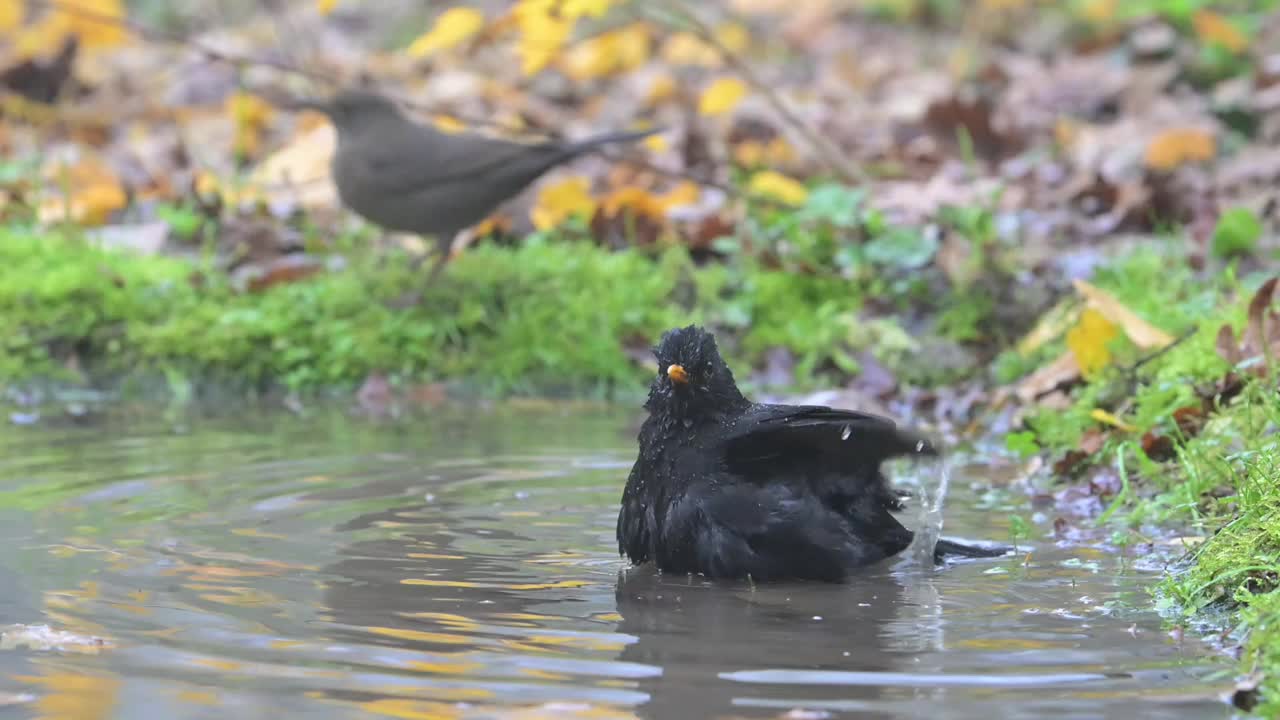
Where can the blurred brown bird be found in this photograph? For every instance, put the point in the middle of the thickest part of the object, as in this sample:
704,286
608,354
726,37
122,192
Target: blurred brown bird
408,177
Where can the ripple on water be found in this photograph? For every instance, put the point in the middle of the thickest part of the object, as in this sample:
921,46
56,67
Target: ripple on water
464,566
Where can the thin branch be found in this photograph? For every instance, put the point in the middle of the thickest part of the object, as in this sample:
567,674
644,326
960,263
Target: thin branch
823,149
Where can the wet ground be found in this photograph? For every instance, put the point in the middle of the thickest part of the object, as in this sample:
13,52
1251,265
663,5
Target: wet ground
464,566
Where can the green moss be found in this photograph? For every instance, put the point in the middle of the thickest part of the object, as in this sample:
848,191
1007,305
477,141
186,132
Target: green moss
1237,570
540,317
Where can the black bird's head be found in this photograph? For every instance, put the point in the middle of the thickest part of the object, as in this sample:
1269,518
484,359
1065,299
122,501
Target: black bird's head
693,380
353,111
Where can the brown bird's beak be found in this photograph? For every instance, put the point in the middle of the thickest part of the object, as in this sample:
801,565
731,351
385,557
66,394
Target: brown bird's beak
678,374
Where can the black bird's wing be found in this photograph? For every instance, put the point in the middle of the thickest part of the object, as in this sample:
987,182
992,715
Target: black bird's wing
772,440
728,529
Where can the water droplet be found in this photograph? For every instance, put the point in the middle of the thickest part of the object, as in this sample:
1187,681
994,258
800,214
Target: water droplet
844,434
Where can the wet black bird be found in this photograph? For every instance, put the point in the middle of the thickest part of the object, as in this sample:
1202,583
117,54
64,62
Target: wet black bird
414,178
729,488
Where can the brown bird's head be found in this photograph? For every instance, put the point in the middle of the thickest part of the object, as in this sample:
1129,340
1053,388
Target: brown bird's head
693,380
356,110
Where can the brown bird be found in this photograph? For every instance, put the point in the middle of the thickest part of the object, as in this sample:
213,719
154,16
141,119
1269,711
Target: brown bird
408,177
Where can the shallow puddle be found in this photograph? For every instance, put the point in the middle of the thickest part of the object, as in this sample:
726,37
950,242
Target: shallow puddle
465,566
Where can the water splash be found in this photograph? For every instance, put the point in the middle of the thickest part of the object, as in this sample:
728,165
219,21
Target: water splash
929,515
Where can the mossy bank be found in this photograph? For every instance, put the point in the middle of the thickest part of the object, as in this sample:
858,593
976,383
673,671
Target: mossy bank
1189,438
542,317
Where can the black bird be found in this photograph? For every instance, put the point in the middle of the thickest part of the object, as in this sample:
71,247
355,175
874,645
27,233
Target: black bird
729,488
414,178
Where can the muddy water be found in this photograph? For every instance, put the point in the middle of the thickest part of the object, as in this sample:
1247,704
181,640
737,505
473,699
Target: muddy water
464,566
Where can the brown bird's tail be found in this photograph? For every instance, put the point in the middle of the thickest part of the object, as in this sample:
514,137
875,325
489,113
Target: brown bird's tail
581,147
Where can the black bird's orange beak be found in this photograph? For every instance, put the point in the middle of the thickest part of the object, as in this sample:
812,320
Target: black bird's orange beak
677,373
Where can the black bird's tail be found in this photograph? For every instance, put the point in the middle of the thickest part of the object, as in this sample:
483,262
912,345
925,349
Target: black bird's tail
950,547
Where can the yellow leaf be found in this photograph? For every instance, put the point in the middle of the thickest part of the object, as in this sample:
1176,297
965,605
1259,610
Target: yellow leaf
560,201
42,38
98,23
722,96
1002,5
1213,28
326,6
643,202
609,53
662,87
297,172
574,9
542,36
749,153
636,200
752,153
454,26
686,193
1099,12
251,115
733,36
1065,132
1173,148
448,124
488,226
1088,341
11,15
86,193
688,49
778,187
1107,418
1139,331
404,709
655,143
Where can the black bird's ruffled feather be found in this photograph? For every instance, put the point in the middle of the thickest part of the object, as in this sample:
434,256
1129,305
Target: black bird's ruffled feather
731,489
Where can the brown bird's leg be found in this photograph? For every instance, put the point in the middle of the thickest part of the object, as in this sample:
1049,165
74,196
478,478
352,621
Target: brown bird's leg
442,259
444,250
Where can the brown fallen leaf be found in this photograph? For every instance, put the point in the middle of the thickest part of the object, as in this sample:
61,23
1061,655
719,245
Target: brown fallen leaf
1051,325
1158,447
286,269
1258,340
1174,148
298,172
1063,371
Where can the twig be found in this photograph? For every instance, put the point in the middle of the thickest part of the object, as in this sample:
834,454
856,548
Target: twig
823,149
1161,351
